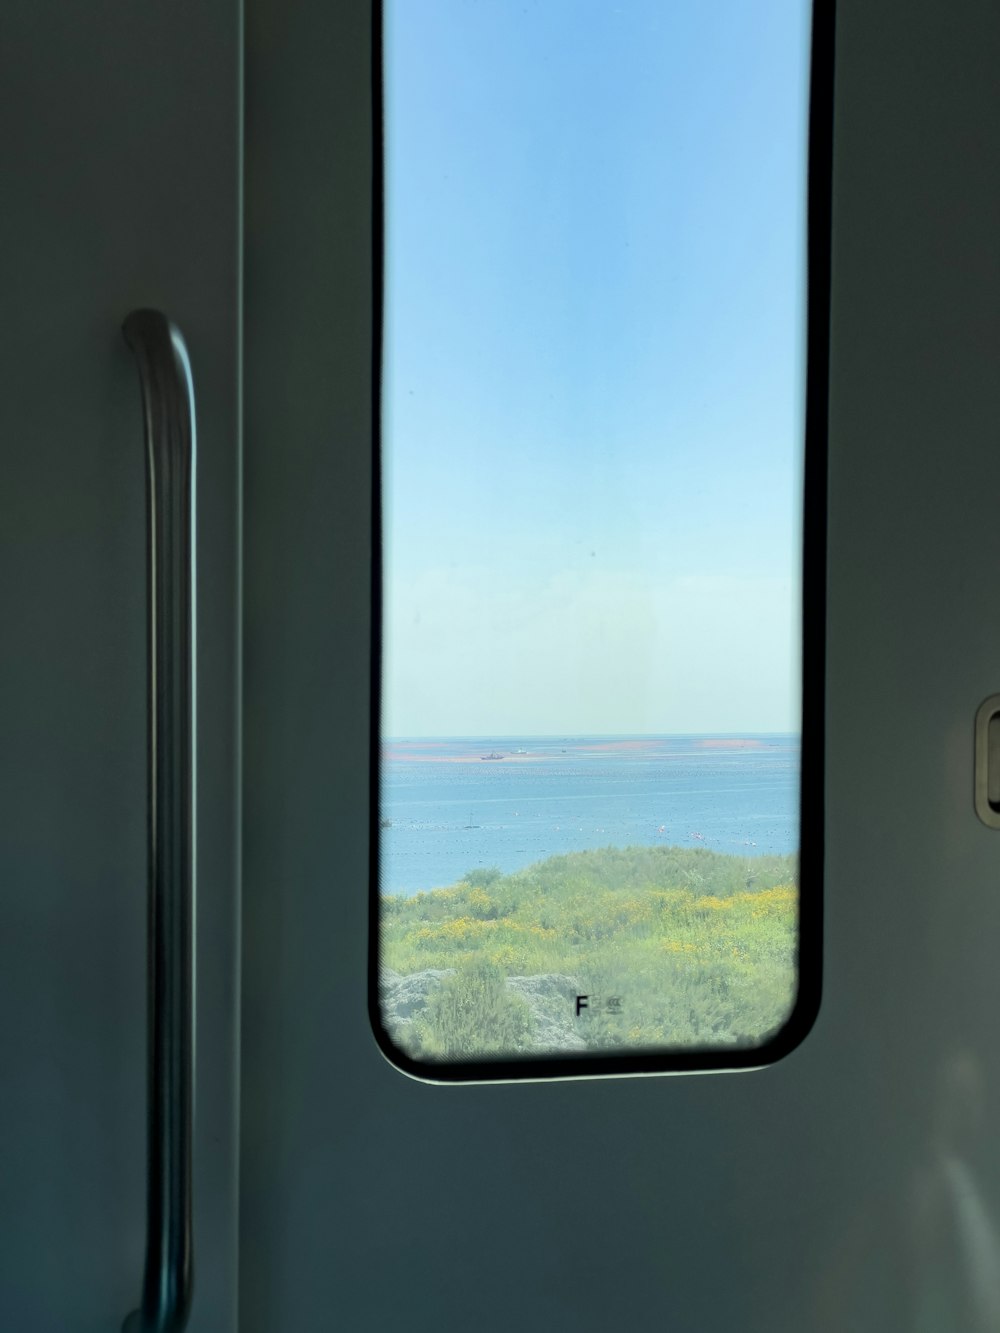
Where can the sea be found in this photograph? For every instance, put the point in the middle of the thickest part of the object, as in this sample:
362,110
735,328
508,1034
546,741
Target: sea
451,805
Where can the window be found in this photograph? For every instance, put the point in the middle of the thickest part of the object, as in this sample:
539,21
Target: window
597,842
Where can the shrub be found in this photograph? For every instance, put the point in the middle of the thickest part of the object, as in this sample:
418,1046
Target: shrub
473,1013
482,878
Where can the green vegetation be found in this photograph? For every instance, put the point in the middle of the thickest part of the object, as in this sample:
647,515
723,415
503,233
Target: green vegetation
473,1013
673,947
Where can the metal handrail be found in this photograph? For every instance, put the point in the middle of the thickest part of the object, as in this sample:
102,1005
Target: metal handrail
168,410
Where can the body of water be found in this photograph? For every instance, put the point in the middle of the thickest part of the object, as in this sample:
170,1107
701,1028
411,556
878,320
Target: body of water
453,805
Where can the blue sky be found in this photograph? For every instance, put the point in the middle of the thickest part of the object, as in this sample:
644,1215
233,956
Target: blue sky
593,365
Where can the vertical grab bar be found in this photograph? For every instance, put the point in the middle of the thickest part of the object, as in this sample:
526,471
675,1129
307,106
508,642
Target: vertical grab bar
168,411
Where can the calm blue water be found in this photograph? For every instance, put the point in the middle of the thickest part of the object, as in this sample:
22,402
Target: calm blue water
452,810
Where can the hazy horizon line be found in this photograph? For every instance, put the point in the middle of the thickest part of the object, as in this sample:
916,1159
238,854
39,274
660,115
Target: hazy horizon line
587,735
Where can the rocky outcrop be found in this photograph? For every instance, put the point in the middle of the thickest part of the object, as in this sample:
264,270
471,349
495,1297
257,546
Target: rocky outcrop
403,997
552,1001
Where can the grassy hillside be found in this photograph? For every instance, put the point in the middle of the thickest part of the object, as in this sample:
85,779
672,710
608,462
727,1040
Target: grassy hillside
672,946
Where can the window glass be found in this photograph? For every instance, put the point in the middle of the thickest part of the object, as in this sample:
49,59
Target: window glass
592,444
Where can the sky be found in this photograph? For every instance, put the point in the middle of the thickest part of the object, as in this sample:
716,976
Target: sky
593,366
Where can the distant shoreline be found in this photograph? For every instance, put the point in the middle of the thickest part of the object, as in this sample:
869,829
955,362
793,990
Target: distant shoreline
525,749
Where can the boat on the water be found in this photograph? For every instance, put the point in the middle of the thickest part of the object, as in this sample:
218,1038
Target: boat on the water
494,755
